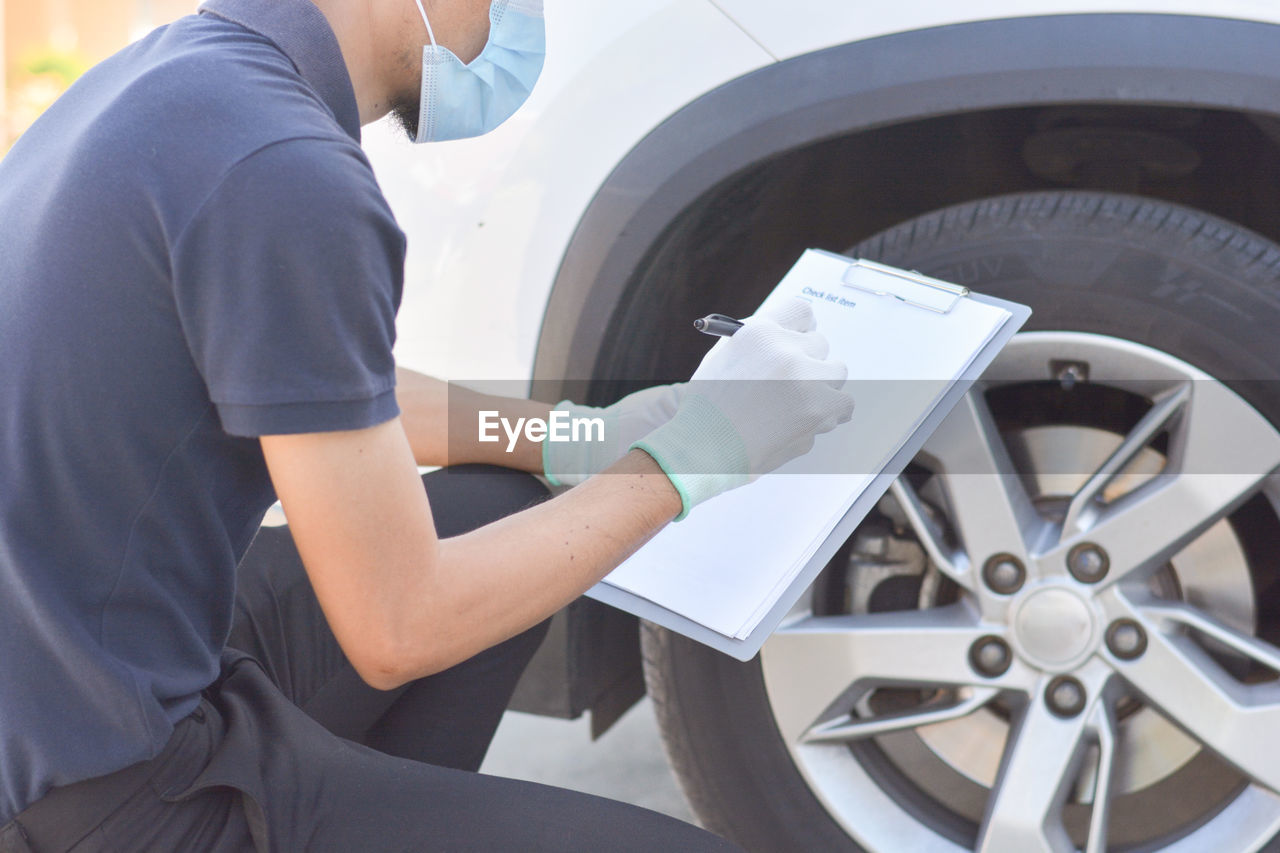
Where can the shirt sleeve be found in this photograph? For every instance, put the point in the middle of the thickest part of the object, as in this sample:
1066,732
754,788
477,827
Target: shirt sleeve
287,282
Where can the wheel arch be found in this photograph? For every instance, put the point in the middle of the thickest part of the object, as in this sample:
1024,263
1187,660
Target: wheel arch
667,182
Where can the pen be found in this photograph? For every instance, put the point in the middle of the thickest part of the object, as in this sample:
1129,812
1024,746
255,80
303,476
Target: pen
717,324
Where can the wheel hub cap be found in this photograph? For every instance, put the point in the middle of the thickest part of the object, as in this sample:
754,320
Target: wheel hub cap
1053,627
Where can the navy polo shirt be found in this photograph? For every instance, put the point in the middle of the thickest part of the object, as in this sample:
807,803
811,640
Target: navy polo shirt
193,252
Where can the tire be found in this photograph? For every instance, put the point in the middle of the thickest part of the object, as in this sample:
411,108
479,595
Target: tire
1177,282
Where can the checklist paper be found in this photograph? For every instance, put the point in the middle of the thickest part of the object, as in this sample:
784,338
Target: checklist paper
726,565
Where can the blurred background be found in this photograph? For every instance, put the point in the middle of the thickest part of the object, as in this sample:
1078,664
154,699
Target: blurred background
46,44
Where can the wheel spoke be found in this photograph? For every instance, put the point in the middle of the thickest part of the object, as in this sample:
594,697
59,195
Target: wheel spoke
1220,452
1041,763
1103,724
1167,614
987,501
954,565
1238,721
1085,502
815,662
1147,527
843,731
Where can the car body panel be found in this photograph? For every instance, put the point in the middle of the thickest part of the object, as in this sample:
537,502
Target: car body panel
810,25
490,219
986,65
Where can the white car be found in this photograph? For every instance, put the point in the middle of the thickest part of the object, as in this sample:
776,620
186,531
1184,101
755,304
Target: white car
1062,632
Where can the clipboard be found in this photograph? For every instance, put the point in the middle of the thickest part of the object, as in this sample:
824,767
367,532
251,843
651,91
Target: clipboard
881,282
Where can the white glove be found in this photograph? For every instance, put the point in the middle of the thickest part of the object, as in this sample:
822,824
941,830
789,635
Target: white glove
757,401
568,463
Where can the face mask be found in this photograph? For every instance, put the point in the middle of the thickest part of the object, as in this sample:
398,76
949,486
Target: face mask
460,101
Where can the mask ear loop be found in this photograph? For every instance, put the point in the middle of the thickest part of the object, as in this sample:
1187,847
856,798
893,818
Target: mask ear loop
430,34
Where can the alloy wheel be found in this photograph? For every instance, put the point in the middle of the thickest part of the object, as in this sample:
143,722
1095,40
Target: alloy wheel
1051,637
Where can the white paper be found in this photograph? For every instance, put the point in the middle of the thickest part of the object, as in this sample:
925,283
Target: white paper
726,564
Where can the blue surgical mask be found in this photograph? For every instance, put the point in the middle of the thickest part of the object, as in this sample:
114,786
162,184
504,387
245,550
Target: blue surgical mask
459,100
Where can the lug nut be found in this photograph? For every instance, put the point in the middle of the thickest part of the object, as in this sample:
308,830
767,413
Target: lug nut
1065,696
1088,563
1004,573
990,656
1126,639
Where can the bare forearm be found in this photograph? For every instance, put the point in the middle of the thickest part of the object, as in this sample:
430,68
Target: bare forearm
404,603
496,581
442,424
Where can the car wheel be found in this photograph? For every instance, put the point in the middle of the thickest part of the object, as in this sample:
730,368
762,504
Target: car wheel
1060,628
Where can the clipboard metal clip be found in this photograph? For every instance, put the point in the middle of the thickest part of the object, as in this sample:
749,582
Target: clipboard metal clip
910,287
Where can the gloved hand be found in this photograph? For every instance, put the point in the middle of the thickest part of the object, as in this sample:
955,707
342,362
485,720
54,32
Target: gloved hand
568,463
757,400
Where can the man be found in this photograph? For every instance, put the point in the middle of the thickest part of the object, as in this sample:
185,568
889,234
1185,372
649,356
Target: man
198,282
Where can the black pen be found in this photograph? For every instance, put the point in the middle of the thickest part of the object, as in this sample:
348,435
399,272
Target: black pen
717,324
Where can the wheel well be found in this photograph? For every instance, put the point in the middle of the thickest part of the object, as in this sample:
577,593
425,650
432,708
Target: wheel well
724,251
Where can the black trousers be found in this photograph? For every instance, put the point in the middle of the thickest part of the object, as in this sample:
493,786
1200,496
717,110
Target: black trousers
291,751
